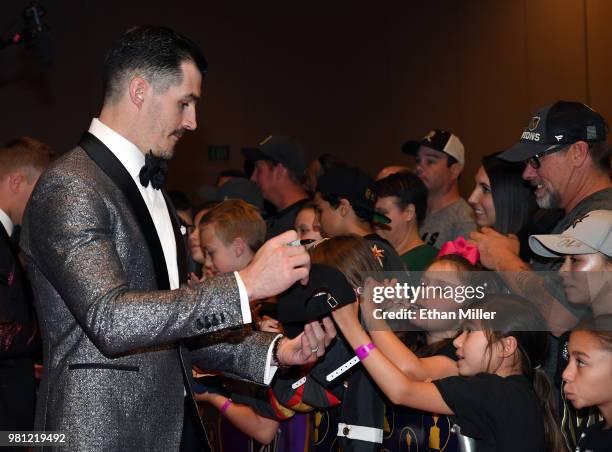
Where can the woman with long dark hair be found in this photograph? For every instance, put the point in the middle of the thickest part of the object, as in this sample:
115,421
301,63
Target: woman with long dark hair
502,200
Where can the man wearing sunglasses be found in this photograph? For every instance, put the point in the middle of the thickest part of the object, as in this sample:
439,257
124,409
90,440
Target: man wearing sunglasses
567,161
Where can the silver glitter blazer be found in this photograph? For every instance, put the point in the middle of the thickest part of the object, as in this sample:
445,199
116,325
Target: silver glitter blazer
113,377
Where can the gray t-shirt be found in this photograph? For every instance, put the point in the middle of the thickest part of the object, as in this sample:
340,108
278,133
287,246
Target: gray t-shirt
448,223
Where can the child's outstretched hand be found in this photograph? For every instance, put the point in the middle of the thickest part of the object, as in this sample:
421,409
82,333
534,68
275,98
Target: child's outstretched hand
269,325
193,280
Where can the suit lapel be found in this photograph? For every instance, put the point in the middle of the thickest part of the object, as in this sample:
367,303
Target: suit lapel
114,169
181,254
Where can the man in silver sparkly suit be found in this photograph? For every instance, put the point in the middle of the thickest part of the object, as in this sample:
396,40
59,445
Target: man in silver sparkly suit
105,257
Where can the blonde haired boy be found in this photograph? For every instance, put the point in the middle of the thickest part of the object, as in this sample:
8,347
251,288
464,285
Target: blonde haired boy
230,234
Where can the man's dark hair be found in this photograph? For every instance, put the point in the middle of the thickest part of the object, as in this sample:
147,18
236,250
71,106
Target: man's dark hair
152,52
296,178
334,201
408,188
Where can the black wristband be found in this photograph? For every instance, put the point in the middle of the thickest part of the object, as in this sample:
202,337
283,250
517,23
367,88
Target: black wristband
275,360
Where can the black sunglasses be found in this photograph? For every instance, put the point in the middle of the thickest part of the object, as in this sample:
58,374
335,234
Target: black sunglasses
534,161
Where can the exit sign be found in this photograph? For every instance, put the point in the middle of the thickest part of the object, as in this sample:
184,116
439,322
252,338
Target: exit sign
218,153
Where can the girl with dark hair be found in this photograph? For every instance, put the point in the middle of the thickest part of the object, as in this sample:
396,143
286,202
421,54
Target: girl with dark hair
587,383
501,400
306,224
402,197
431,340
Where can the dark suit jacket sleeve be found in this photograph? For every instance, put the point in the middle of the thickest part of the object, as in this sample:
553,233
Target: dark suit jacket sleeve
69,236
19,336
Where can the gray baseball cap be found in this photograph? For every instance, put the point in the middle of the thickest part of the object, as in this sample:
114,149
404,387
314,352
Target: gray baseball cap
588,234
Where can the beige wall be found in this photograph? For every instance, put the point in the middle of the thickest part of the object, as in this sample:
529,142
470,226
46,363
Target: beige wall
352,79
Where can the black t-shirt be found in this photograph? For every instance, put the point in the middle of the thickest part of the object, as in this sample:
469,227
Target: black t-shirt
596,438
284,220
501,414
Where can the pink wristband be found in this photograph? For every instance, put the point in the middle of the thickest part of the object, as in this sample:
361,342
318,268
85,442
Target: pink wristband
363,351
225,406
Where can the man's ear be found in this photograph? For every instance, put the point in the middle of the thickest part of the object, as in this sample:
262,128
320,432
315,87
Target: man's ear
280,171
138,90
456,169
15,180
344,207
409,213
578,153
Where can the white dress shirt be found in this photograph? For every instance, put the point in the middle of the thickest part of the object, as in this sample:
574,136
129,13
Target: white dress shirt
133,159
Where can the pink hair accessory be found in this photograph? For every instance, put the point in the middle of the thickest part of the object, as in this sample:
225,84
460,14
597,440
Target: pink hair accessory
462,248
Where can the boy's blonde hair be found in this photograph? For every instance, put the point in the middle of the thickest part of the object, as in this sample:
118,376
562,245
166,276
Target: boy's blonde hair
235,218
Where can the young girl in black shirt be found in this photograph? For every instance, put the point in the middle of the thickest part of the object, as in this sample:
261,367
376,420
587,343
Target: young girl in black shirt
588,382
499,397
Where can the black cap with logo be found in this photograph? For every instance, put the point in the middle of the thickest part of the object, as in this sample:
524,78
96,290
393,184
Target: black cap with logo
281,149
557,125
353,185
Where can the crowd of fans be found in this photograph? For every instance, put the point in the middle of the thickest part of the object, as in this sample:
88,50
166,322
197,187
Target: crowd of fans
536,231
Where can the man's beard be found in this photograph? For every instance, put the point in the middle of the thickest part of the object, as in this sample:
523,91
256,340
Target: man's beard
165,154
548,199
168,152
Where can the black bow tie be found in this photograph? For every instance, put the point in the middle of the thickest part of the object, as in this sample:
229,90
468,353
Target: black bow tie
154,170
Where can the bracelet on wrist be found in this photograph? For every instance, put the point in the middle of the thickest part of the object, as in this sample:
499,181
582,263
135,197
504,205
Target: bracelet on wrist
225,406
275,358
363,351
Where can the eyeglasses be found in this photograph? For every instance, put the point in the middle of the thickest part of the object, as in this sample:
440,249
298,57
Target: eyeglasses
534,161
